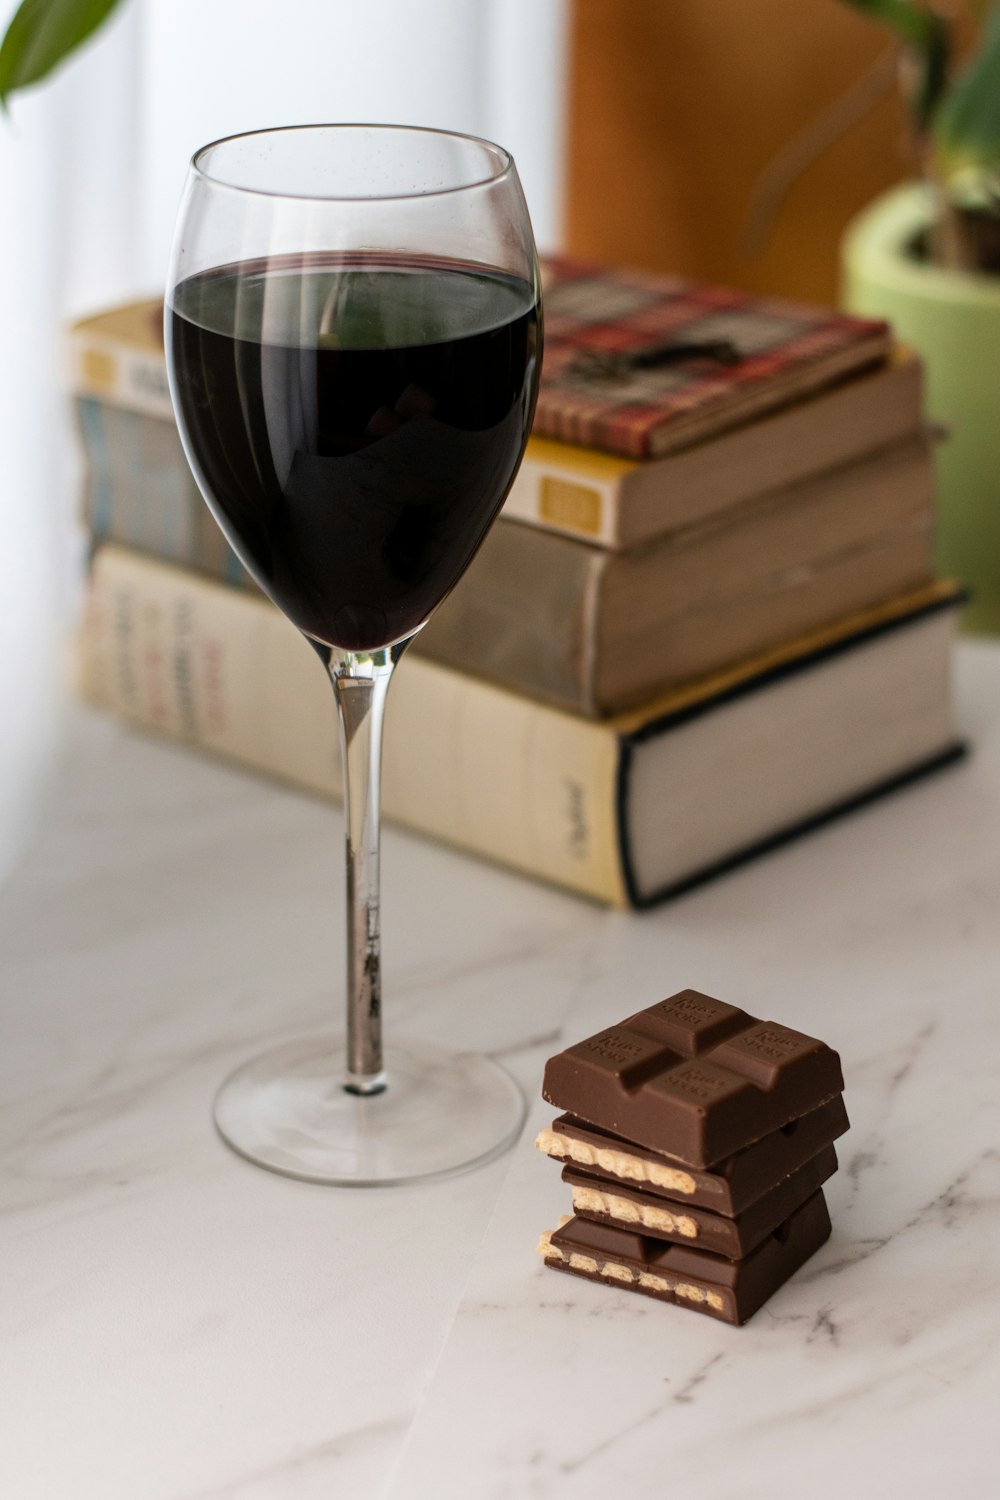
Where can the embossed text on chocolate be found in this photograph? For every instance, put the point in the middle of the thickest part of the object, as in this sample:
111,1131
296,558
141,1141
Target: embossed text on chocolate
614,1048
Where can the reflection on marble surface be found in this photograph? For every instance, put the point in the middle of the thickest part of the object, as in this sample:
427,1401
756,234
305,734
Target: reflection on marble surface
176,1325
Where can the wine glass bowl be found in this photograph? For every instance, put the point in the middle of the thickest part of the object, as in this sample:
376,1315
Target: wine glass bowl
354,413
353,343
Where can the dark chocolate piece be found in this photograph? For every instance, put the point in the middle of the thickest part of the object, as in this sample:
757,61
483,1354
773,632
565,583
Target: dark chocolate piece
606,1202
731,1186
731,1290
693,1078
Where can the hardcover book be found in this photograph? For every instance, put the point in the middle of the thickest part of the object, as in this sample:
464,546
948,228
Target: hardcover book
620,503
626,811
586,628
642,364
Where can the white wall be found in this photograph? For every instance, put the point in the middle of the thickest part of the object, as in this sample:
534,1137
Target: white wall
63,242
490,67
91,167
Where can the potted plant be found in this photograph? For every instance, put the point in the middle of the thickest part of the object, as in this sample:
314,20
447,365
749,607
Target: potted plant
927,256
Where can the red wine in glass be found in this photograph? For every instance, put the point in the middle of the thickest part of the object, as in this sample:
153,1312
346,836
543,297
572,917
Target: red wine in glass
355,425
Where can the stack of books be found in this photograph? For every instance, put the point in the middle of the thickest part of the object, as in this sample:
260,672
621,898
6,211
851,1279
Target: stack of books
705,620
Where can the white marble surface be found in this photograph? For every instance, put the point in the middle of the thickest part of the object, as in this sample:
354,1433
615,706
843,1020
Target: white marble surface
175,1325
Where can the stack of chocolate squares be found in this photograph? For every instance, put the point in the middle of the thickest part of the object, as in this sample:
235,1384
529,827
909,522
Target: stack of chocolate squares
696,1141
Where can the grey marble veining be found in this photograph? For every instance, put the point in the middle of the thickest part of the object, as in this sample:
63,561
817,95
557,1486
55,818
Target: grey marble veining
876,1370
175,1325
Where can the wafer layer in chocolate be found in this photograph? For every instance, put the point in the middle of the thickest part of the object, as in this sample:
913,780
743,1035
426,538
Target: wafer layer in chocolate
731,1290
728,1189
693,1077
606,1203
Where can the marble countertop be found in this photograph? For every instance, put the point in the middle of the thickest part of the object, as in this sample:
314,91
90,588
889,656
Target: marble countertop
177,1325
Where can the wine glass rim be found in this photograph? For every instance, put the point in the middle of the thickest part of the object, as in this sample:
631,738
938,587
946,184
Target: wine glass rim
504,166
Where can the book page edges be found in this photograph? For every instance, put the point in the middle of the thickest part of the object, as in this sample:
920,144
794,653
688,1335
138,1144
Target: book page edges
875,709
825,431
653,715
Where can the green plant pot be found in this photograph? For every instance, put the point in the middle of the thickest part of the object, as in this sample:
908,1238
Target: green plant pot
953,319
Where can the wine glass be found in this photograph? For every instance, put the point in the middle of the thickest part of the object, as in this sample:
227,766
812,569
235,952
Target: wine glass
353,343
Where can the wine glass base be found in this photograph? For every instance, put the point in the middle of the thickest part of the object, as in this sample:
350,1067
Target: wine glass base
440,1113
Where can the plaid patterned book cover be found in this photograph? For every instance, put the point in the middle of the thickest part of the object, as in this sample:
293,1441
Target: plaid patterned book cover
640,364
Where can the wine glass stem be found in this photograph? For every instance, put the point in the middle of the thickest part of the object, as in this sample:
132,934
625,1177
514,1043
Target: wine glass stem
361,682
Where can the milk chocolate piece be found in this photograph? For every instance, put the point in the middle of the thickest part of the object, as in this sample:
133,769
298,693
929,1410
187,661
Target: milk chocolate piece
728,1189
606,1202
731,1290
693,1077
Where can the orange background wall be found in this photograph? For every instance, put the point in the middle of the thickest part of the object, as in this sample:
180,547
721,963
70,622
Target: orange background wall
676,108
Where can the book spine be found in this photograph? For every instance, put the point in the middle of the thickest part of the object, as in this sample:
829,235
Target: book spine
474,766
139,490
110,370
570,491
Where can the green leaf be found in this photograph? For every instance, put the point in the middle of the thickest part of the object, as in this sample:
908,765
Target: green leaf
43,33
927,36
966,131
910,22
